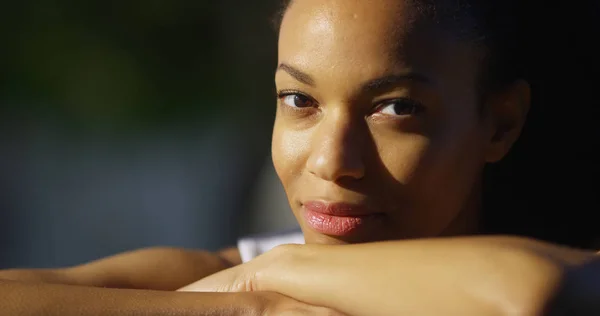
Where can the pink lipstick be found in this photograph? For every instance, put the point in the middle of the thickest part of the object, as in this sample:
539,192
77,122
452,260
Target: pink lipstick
338,219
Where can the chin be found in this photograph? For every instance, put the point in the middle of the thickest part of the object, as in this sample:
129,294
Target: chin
321,239
312,237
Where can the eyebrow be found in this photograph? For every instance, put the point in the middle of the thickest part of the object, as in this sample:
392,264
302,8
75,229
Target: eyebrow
392,80
297,74
375,84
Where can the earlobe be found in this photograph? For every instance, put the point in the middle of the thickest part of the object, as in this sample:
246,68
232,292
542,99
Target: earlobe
507,111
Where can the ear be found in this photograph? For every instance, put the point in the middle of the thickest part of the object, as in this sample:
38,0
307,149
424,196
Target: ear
506,113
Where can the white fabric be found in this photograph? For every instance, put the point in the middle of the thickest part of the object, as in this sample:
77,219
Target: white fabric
251,247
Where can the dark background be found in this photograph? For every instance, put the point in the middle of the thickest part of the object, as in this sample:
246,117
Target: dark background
126,124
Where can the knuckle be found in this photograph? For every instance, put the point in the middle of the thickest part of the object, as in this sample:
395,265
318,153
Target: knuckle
284,249
244,284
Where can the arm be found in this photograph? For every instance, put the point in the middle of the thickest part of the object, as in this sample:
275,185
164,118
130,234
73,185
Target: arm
75,291
153,268
462,276
65,300
68,291
50,299
451,276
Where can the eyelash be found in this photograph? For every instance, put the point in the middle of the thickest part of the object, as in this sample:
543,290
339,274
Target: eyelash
286,93
296,111
417,107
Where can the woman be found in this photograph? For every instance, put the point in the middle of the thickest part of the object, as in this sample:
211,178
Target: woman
387,113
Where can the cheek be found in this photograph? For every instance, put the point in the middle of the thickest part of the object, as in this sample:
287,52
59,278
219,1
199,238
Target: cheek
289,150
422,166
402,155
447,167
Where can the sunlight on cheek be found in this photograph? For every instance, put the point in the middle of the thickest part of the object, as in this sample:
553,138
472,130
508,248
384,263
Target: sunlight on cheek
290,151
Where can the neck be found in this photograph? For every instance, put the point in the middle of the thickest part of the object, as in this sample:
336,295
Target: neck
468,220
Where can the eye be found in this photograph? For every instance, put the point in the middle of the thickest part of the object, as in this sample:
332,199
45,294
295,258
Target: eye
296,100
400,107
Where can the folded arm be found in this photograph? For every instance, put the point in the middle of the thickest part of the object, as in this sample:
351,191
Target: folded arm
140,283
91,288
158,268
21,298
449,276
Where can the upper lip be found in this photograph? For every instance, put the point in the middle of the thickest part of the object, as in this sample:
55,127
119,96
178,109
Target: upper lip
338,208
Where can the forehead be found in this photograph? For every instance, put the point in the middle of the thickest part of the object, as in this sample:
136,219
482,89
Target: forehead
344,28
367,38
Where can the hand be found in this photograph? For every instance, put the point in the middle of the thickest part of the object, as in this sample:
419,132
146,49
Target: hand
247,277
254,276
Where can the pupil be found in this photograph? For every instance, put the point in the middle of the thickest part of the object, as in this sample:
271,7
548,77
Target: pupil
300,101
402,108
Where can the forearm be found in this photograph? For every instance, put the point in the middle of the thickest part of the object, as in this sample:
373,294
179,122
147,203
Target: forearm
20,298
153,268
53,276
467,277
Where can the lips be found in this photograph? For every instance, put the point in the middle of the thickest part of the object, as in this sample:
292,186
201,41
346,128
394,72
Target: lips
339,219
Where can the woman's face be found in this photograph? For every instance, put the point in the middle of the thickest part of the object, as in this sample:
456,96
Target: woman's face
378,134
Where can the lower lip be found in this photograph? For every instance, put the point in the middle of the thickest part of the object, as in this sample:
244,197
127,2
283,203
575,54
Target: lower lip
337,225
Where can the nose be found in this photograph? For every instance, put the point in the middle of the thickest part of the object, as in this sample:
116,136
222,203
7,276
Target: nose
336,151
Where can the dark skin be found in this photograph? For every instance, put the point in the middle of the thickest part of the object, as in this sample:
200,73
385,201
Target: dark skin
404,134
171,268
395,161
127,284
349,75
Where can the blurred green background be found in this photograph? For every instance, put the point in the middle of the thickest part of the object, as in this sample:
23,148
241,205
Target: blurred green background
126,124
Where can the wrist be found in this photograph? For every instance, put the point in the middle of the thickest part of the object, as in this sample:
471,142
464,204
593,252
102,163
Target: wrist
280,268
276,269
293,270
